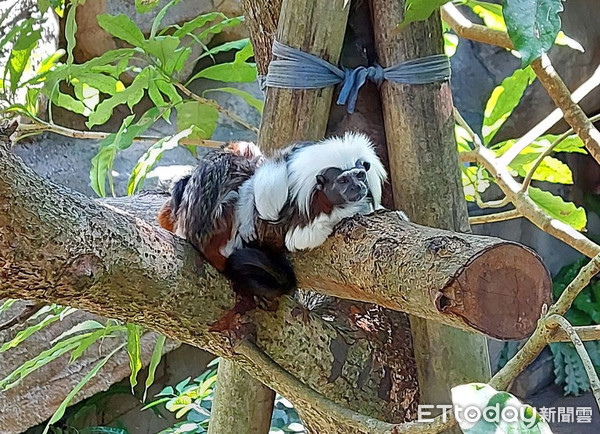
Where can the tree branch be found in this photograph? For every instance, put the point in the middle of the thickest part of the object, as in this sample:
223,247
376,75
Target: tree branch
496,217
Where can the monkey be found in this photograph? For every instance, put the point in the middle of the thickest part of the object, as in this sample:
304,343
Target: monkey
243,211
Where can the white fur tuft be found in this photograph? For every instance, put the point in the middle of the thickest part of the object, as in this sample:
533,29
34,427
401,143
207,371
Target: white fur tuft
271,189
341,152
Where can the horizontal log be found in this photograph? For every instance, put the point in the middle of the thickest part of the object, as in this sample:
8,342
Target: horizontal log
493,286
472,282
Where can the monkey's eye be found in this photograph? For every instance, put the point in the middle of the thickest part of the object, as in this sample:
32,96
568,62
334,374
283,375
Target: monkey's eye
361,176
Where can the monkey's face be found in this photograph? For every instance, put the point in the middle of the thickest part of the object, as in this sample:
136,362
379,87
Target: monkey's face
344,186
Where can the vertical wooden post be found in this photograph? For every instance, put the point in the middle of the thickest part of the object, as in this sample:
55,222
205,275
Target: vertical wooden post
426,182
318,27
241,404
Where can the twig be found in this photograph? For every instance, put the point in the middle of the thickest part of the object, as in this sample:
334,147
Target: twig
526,206
556,88
219,108
548,151
572,113
559,321
585,333
39,126
492,203
496,217
463,123
350,418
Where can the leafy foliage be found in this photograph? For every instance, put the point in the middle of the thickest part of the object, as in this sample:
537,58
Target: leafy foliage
75,342
503,100
492,404
191,400
568,368
154,65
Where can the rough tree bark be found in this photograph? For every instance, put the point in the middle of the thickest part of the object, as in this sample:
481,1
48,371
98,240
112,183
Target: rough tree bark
426,179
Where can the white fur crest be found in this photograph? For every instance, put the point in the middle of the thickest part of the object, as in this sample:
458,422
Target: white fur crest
271,189
342,152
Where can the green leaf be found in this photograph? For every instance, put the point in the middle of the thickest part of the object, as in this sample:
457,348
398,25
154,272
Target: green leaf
42,359
159,17
130,96
419,10
250,100
145,6
562,39
202,117
151,157
532,26
154,361
238,71
103,160
570,144
20,54
90,339
134,334
26,333
503,101
550,170
122,139
227,46
558,209
71,30
60,411
121,26
7,304
218,28
84,326
200,21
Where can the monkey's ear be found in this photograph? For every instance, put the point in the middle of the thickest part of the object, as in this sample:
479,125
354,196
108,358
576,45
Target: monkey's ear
321,181
366,165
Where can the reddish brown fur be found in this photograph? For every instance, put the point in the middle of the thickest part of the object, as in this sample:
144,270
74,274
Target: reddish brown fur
165,217
320,204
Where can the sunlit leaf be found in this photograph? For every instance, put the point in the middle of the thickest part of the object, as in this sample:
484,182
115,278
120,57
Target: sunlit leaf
154,361
503,101
532,26
151,157
134,351
122,27
159,17
558,209
562,39
490,13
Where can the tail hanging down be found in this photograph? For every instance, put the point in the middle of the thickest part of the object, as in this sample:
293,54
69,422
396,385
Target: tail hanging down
260,272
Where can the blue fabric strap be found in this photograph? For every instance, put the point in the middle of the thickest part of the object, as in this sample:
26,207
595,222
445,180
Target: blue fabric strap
295,69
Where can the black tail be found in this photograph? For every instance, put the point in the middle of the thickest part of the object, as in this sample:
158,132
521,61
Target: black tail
260,272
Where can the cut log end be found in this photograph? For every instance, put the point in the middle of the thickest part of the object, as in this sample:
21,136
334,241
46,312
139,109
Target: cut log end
500,292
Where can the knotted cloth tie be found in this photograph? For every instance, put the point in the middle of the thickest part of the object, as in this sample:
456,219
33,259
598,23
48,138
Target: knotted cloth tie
295,69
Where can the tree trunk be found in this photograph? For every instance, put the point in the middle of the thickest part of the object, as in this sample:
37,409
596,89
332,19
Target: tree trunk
427,186
242,404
